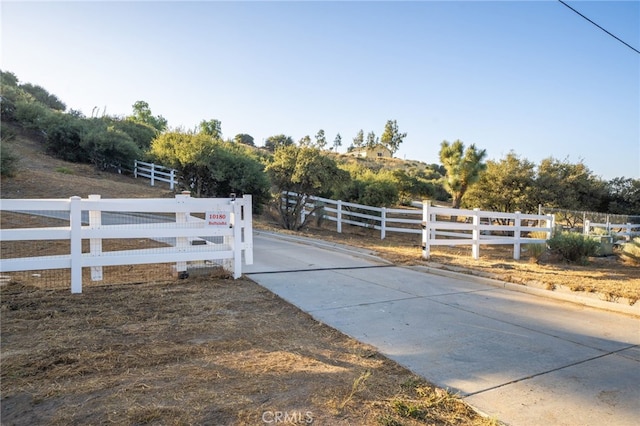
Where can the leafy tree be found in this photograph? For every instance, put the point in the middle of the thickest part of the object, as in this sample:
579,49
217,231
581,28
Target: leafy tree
142,113
305,141
212,168
369,189
44,97
507,185
372,140
624,196
274,142
11,94
211,128
337,142
244,138
391,137
565,185
321,140
142,134
109,148
306,172
8,78
33,115
414,184
358,141
463,168
64,138
233,169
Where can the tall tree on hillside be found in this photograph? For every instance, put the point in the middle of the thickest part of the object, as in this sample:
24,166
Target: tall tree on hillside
358,141
391,137
244,138
372,140
142,113
211,127
463,168
321,140
337,142
274,142
305,141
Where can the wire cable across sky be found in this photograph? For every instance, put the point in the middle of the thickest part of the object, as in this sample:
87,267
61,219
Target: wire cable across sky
612,35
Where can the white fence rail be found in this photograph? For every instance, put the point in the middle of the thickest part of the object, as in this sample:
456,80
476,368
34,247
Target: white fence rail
481,228
225,235
382,219
626,230
435,224
155,172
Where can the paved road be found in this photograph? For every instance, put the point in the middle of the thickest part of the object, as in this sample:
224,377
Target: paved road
523,359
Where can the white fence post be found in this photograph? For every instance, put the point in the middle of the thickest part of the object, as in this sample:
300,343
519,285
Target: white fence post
247,237
95,244
426,252
173,179
551,223
153,173
236,241
475,234
339,217
383,223
181,242
517,235
587,227
135,169
75,222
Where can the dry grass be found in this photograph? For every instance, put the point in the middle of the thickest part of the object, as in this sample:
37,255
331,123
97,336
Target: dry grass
206,350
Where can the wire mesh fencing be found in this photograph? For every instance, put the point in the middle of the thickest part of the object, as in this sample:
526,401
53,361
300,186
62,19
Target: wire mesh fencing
124,241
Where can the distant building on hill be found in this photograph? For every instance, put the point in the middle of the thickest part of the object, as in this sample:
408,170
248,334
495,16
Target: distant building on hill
376,151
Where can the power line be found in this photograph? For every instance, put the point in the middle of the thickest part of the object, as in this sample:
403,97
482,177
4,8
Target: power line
612,35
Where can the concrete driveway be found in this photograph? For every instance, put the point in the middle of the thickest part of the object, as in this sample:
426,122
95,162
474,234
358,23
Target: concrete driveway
523,359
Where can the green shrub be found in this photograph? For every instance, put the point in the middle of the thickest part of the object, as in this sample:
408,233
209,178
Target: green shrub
573,247
8,162
536,251
631,250
64,170
64,137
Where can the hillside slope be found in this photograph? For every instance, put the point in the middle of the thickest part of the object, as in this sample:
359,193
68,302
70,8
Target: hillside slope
42,176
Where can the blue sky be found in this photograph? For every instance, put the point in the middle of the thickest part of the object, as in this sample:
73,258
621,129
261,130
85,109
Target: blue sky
532,77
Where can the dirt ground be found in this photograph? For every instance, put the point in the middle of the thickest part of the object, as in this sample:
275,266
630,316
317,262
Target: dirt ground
204,350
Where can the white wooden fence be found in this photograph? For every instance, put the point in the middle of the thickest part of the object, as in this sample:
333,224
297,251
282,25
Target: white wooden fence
472,227
155,173
481,228
625,230
382,219
227,221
